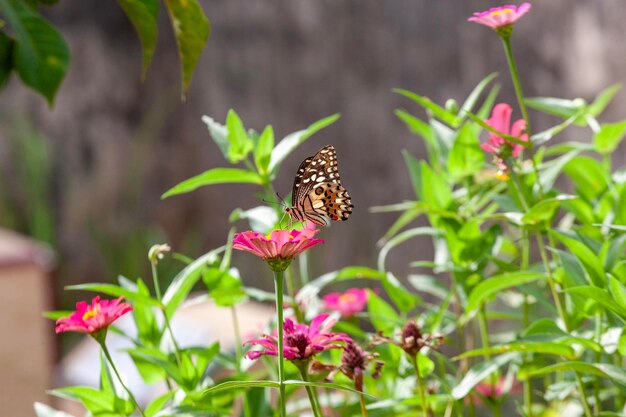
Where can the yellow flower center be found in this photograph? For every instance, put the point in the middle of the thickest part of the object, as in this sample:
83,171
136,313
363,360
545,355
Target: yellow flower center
347,298
501,11
502,175
91,313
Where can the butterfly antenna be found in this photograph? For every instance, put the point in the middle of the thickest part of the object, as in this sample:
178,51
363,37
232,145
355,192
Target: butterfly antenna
282,200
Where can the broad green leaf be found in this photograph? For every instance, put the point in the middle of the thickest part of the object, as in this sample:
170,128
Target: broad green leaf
292,141
609,137
466,157
485,109
429,285
618,290
556,106
435,189
492,286
144,15
184,281
383,316
115,291
588,175
586,256
415,172
219,134
225,289
423,129
602,297
191,29
6,60
479,372
545,210
523,347
425,365
96,401
551,170
547,330
401,297
263,150
603,99
43,410
159,362
239,142
235,385
158,403
40,54
604,370
445,116
214,176
326,385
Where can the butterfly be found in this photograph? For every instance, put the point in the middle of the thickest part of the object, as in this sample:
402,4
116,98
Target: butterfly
317,191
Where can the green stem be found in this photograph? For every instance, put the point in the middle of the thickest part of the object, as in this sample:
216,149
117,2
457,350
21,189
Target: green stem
311,392
522,105
598,358
420,385
484,337
130,394
157,290
551,282
239,355
528,395
583,397
278,284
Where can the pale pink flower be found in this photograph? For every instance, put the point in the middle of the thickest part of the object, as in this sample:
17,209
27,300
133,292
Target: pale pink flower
301,342
501,121
498,17
350,302
93,318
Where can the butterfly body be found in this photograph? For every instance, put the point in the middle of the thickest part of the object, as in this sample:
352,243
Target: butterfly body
317,191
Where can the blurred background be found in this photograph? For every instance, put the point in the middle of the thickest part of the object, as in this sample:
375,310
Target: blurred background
85,176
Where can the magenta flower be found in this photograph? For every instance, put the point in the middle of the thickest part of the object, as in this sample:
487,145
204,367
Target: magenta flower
93,318
354,362
498,17
350,302
500,120
279,247
301,342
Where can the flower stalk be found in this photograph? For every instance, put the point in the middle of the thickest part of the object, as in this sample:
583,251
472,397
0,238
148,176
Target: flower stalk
278,286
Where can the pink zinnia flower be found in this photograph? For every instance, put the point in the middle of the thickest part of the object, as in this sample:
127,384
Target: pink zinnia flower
350,302
279,247
498,17
301,342
93,318
500,120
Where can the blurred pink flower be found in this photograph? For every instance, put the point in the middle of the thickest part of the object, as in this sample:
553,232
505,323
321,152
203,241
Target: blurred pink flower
350,302
301,342
93,318
354,362
501,120
279,247
498,17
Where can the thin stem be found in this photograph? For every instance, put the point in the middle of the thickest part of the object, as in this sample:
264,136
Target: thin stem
303,265
528,394
583,397
484,337
551,282
157,290
363,409
420,385
598,358
278,284
130,394
238,355
312,393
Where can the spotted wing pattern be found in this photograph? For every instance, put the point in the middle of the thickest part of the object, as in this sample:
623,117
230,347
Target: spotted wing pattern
317,191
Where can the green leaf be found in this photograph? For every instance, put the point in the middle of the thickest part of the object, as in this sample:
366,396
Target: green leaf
445,116
40,54
235,385
586,256
604,370
240,144
192,29
547,330
144,15
466,157
262,219
401,297
184,281
401,238
608,138
293,140
423,129
603,99
115,291
263,150
588,175
479,372
618,290
43,410
556,106
214,176
473,97
158,403
219,134
602,297
383,316
159,363
415,172
96,401
435,190
225,289
325,385
550,348
492,286
6,60
545,210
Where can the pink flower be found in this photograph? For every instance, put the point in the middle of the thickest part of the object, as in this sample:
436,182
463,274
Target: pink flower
354,362
279,247
350,302
301,342
498,17
500,120
93,318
